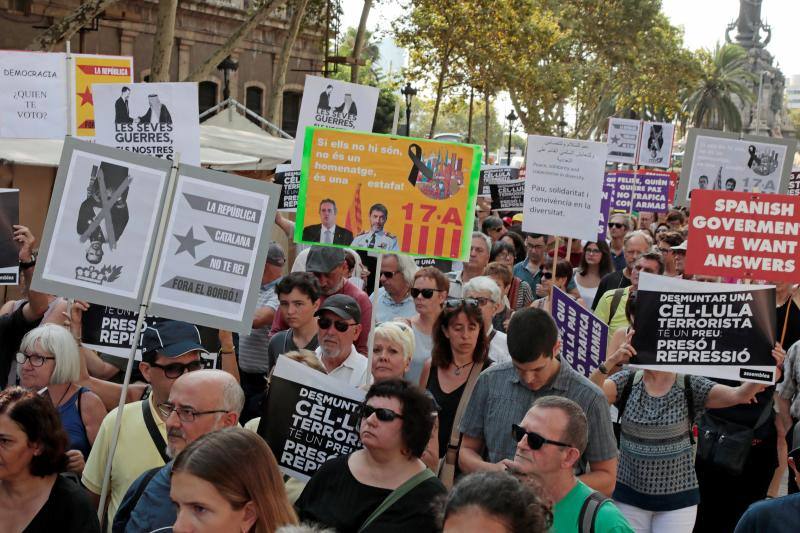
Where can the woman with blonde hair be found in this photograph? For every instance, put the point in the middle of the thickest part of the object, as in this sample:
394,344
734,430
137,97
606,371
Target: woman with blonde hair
209,497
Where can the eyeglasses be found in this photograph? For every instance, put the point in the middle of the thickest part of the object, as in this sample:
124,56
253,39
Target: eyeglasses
546,275
176,370
535,441
35,358
340,325
387,274
426,293
593,251
453,303
616,225
482,300
665,250
185,414
534,246
381,413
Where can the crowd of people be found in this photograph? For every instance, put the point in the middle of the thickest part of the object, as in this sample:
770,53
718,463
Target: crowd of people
472,420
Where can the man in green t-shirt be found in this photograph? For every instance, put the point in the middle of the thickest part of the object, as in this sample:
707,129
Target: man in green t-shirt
550,440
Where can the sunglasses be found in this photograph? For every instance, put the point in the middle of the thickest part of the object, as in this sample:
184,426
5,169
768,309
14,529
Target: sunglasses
381,413
616,225
546,275
535,441
453,303
176,370
340,325
426,293
386,274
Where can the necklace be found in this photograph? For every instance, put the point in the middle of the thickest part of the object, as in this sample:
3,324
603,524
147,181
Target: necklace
458,368
63,395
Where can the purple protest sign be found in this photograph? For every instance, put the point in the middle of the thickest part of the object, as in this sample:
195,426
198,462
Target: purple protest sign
605,207
583,336
649,190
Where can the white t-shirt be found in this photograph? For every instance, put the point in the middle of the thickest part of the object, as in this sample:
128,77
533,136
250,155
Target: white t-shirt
353,370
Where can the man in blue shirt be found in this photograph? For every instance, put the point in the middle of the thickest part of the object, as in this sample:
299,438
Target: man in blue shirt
530,269
779,515
394,294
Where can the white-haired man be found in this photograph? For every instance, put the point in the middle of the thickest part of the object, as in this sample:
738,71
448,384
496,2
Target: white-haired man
394,294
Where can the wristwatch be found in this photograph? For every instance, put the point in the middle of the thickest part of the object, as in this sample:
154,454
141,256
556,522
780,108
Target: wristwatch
29,264
602,368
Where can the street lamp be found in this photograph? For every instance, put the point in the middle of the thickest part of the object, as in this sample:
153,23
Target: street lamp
227,66
409,92
511,117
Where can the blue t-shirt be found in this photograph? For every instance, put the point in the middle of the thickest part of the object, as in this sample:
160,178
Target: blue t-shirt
776,516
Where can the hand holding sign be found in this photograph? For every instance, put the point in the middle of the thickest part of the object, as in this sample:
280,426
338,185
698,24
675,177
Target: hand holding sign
622,355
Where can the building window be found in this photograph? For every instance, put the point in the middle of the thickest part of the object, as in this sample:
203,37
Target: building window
206,95
291,110
253,100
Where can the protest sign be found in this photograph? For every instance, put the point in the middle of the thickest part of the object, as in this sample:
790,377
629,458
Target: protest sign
563,186
508,196
794,184
89,70
99,233
33,95
309,417
333,104
415,196
744,235
655,146
605,211
9,249
492,174
717,330
648,189
584,337
623,140
212,258
440,264
156,119
289,180
720,161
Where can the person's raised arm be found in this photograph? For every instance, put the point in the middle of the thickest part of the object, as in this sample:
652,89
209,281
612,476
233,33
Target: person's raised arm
228,354
37,301
621,352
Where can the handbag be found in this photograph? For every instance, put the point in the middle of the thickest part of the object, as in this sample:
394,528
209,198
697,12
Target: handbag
725,444
396,494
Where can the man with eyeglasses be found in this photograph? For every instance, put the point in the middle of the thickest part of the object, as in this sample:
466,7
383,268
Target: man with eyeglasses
635,244
169,349
550,441
394,294
530,270
613,313
199,403
338,320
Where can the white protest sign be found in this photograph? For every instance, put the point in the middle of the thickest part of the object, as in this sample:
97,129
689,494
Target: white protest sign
100,227
655,148
334,104
623,140
33,95
215,247
563,186
156,119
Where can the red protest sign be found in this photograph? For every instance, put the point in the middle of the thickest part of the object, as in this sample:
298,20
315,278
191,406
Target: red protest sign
744,235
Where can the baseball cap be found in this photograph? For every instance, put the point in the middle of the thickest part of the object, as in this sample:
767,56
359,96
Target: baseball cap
341,305
517,218
275,254
172,338
681,246
323,259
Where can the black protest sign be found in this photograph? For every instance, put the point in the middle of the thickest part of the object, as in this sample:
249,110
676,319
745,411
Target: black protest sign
717,330
508,196
491,174
9,249
289,180
309,417
441,264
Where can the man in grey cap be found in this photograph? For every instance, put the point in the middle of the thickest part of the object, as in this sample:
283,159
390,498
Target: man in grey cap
339,320
253,360
328,265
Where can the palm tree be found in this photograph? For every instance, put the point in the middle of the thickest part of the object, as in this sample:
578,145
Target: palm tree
726,78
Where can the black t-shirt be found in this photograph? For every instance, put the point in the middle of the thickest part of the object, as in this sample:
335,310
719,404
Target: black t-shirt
283,342
13,327
615,280
334,498
792,326
67,510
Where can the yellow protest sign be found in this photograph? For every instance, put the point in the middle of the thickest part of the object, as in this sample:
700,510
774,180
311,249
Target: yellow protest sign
93,69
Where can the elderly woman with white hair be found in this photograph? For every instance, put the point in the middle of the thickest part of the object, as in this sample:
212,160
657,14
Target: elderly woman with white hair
48,361
489,298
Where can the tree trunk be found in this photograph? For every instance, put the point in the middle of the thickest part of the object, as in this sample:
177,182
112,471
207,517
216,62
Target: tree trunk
272,112
486,125
255,17
469,116
163,40
359,41
439,91
69,25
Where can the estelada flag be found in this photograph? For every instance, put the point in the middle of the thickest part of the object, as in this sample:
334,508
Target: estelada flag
353,219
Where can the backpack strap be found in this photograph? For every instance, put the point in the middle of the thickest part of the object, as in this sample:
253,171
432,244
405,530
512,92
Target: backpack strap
396,494
124,512
155,434
615,300
622,401
588,515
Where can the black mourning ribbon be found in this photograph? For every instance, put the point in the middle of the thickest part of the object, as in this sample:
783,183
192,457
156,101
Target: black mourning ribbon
415,154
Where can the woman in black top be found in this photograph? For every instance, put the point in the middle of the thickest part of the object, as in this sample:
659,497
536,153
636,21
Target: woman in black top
33,497
460,346
396,422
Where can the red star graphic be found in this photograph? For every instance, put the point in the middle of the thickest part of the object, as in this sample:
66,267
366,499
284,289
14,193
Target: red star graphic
86,97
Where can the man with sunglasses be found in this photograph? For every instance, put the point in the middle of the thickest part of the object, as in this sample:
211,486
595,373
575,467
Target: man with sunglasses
550,441
199,403
613,313
619,225
169,349
635,244
394,294
339,325
666,244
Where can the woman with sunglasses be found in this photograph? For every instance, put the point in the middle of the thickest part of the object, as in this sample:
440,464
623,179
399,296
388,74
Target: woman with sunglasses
595,263
346,492
429,292
48,361
657,488
558,279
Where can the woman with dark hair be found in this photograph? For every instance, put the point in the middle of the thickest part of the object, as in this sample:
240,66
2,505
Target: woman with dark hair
559,279
429,292
460,349
33,497
494,502
503,252
351,492
209,498
596,262
518,242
